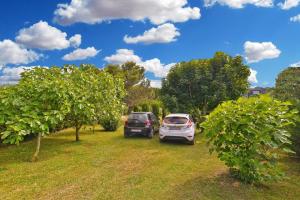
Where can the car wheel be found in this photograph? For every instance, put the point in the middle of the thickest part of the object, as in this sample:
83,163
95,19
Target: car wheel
150,135
161,140
126,136
191,142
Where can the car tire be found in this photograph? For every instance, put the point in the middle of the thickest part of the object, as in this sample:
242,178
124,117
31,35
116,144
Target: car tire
126,135
191,142
161,140
150,135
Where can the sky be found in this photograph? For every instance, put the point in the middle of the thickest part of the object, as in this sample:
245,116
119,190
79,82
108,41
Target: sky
156,34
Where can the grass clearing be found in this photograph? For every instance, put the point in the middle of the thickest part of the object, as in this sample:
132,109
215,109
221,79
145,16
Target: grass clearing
104,165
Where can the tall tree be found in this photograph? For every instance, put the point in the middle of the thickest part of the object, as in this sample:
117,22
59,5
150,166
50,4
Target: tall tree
137,86
203,84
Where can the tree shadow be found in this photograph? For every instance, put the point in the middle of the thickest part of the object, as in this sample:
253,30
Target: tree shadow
221,186
50,147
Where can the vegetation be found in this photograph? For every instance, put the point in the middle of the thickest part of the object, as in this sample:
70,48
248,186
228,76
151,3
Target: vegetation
247,134
49,99
288,89
105,166
137,86
200,85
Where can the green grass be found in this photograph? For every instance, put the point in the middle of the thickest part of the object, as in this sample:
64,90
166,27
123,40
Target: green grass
104,165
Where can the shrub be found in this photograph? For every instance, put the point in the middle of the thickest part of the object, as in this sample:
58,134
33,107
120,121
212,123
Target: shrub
110,123
146,107
296,131
156,109
137,108
247,133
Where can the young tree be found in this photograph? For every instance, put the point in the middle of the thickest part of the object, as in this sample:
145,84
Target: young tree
247,133
34,106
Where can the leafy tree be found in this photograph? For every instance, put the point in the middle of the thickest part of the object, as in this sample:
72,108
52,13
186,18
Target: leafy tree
247,133
288,89
132,73
94,95
34,106
137,86
204,83
48,99
288,84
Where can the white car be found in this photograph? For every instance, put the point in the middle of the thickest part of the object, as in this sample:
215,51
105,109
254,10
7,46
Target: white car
177,127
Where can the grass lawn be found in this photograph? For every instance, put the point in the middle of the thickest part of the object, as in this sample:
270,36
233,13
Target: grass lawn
104,165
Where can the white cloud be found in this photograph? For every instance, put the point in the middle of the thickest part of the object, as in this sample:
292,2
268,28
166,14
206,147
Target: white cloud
295,18
12,53
252,78
297,64
81,54
288,4
153,65
255,51
75,41
239,3
97,11
162,34
156,67
43,36
155,83
12,75
123,56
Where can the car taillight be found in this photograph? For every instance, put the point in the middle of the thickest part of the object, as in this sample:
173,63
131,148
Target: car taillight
189,124
126,123
147,123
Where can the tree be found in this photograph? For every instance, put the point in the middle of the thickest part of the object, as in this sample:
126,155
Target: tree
137,86
94,95
34,106
132,73
288,89
247,134
204,83
288,85
46,99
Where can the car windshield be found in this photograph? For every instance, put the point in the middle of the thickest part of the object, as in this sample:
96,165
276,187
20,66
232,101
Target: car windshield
137,116
175,120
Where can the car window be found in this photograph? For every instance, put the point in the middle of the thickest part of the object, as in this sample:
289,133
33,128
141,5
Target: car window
175,120
138,116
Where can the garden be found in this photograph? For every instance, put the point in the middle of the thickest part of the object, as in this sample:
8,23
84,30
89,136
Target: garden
61,134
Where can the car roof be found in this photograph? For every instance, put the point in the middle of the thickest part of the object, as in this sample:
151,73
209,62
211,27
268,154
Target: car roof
178,115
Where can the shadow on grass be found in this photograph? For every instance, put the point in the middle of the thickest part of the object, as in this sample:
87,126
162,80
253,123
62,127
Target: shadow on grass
50,147
221,186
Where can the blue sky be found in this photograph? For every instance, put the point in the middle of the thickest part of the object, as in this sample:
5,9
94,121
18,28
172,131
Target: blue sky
38,33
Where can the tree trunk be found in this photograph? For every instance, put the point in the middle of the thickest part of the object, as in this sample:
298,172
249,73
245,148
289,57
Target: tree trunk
77,133
38,145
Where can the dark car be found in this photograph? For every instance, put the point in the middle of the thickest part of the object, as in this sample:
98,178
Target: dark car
141,123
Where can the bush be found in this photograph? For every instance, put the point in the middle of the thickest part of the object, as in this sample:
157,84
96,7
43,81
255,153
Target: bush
247,133
110,123
146,107
137,108
296,131
156,109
